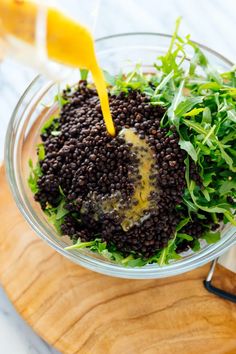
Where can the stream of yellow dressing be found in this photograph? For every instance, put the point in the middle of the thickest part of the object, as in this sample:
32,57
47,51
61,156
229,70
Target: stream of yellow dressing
72,44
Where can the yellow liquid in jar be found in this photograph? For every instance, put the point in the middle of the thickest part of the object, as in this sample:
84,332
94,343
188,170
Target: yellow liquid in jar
67,42
18,18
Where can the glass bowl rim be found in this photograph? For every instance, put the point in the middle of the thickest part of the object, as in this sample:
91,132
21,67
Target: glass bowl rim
164,35
113,269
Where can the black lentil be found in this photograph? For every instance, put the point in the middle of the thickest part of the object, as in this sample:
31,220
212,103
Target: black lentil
89,166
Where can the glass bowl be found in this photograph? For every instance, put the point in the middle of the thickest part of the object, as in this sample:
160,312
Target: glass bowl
35,106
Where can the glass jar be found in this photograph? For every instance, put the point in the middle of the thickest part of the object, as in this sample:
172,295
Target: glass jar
34,107
24,30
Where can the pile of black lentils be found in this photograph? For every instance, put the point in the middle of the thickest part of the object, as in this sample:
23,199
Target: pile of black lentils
90,165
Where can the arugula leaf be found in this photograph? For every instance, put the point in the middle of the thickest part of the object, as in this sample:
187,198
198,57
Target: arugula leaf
51,122
110,79
84,74
211,237
178,97
232,115
230,218
61,192
60,100
206,116
196,245
196,126
61,210
80,244
227,186
220,208
35,174
184,237
214,75
135,262
186,106
227,158
209,86
163,83
169,252
41,152
194,112
182,223
198,60
189,148
55,133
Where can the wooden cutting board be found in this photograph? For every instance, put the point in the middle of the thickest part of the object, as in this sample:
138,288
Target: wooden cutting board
79,311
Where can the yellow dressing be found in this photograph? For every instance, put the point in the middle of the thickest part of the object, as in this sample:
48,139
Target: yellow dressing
140,201
19,19
100,85
67,42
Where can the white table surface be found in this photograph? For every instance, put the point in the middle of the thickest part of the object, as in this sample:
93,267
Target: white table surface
211,22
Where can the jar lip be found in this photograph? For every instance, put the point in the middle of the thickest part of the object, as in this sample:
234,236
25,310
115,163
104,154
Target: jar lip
103,266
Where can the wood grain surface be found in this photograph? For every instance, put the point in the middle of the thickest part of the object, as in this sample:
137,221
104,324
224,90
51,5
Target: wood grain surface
79,311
